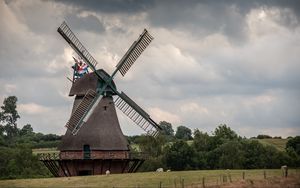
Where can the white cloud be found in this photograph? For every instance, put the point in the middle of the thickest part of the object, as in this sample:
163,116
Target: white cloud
10,88
159,114
33,109
193,108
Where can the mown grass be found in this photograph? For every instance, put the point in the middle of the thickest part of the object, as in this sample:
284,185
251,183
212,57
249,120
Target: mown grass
277,143
149,179
44,150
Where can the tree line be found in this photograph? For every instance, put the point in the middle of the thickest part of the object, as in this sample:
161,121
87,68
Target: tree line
182,149
224,149
16,144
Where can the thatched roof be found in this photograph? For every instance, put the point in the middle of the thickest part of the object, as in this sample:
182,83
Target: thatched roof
82,85
102,130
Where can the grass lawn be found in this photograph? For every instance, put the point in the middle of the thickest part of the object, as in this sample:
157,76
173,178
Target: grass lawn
278,143
149,179
44,150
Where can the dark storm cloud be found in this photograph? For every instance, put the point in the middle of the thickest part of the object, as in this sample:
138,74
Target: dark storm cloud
89,23
200,18
111,6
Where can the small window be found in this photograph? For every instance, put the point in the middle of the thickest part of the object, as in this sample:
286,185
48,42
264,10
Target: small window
86,152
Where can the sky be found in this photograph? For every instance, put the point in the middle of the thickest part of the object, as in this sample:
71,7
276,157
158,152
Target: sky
211,62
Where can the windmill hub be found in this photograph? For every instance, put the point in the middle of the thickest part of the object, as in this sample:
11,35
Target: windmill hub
105,78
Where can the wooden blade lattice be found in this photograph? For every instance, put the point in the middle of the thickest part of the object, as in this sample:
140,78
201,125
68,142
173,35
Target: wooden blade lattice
75,121
134,52
70,37
137,114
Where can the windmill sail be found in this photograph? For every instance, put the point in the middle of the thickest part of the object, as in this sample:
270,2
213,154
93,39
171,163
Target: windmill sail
137,114
134,52
70,37
83,111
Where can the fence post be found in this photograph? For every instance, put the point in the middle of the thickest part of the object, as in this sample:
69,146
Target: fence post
243,175
203,182
224,178
182,183
160,184
175,182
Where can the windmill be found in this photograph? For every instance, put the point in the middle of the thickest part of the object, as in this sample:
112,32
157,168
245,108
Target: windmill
94,142
107,87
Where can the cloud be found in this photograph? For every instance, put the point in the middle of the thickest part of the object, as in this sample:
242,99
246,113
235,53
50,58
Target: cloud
233,62
159,114
32,109
9,88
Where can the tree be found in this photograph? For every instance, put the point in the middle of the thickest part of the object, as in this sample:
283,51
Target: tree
263,136
224,132
183,133
231,155
9,117
150,145
179,156
294,143
26,130
166,128
254,151
201,141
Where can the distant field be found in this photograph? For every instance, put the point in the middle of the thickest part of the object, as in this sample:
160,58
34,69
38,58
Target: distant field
278,143
150,179
44,150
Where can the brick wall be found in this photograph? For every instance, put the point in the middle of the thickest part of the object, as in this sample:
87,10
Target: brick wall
95,155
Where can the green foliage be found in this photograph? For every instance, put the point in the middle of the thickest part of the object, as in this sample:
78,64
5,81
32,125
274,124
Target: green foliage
150,145
202,141
224,133
294,143
263,136
16,158
293,150
179,156
183,133
20,163
9,117
167,130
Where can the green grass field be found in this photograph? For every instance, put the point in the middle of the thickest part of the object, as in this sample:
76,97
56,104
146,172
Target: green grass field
44,150
149,179
277,143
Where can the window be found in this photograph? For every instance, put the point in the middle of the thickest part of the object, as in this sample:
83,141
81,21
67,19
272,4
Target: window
86,152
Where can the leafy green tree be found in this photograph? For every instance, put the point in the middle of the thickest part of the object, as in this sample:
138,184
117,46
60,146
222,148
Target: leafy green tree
202,141
263,136
26,130
231,155
294,143
150,145
167,131
20,163
225,132
183,133
254,157
9,117
167,128
179,156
